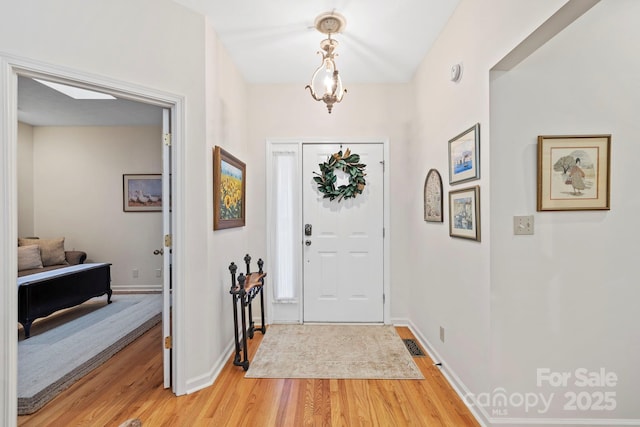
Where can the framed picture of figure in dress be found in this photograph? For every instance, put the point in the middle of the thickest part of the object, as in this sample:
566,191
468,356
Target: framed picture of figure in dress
464,213
433,197
574,172
464,156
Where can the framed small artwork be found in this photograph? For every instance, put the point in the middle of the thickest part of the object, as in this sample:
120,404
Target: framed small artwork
142,193
464,156
229,197
433,197
464,213
574,172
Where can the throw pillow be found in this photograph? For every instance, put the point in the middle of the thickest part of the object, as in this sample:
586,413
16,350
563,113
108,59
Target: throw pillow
29,257
51,250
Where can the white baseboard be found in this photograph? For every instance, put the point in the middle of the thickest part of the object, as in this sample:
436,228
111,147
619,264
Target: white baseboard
209,378
483,417
565,422
456,383
136,289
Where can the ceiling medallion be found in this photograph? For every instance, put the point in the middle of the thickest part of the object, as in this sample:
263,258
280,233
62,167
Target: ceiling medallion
326,84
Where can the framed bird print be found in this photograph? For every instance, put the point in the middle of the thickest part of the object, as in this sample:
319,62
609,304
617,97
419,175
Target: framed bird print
142,192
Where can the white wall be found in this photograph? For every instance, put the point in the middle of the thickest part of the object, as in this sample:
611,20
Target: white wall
375,111
25,180
226,126
456,292
77,175
565,298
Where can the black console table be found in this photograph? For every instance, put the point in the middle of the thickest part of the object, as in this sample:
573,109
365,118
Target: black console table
244,291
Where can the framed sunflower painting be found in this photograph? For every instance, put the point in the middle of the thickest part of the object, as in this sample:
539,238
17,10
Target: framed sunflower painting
229,196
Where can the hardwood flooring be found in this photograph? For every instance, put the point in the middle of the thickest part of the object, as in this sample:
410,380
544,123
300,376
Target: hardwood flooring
129,385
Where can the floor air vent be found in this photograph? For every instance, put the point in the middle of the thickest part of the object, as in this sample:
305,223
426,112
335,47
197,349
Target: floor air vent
413,347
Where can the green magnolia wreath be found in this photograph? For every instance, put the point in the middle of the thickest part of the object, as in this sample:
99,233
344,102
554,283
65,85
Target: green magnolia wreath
349,164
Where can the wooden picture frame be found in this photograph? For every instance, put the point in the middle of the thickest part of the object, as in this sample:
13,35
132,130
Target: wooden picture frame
464,213
464,156
142,192
433,197
574,172
229,190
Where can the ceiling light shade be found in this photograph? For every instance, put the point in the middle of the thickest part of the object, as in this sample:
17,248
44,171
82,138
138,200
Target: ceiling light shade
326,84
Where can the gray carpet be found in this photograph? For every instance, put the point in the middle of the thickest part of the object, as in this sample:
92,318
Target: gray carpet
69,344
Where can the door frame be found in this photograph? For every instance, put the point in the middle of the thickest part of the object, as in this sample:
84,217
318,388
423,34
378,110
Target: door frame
291,308
10,67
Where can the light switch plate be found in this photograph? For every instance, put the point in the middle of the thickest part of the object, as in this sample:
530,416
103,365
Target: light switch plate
523,225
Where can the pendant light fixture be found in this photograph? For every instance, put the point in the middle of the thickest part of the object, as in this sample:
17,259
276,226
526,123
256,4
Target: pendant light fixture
326,84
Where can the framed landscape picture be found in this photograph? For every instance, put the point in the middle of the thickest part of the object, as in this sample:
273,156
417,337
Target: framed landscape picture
573,172
464,156
433,197
229,197
142,192
464,213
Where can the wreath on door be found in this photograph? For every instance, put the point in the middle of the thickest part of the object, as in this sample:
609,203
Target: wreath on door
347,163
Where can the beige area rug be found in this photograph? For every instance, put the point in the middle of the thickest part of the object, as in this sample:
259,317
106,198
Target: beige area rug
333,351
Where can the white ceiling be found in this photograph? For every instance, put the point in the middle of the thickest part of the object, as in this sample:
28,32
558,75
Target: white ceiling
272,42
275,41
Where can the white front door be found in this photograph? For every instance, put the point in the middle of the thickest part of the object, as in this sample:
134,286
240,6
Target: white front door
343,255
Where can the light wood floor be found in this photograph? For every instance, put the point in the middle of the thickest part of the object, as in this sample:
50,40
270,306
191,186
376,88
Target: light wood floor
129,385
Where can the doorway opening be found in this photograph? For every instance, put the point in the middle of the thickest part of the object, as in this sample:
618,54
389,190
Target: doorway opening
14,69
333,265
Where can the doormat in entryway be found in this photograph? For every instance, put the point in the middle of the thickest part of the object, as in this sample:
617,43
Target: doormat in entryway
333,351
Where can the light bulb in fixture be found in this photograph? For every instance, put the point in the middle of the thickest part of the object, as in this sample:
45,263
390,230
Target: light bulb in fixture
326,79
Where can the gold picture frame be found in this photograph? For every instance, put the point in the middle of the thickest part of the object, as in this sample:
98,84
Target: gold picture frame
229,190
574,172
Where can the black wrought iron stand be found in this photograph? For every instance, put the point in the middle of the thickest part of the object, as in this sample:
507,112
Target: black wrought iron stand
244,291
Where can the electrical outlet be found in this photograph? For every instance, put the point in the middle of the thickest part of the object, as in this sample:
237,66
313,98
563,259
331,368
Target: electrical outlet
135,273
158,272
523,225
441,334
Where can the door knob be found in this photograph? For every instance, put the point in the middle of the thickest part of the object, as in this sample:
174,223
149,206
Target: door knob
158,252
307,242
